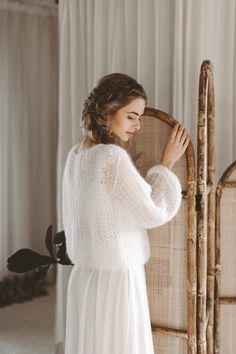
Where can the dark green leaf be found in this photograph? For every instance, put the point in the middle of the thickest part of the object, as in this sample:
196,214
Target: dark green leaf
26,260
48,242
59,238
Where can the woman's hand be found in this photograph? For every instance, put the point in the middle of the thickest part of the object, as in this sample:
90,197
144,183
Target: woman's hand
175,146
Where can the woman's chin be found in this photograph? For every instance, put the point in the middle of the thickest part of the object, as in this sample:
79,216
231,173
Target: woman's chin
125,137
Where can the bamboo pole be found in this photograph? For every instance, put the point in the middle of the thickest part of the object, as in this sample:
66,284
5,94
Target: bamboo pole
201,215
206,212
227,300
170,332
211,211
191,254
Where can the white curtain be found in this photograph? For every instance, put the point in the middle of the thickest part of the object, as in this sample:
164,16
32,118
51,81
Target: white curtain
162,44
28,126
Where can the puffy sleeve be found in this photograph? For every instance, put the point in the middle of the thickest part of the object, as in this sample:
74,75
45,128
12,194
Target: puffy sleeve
148,202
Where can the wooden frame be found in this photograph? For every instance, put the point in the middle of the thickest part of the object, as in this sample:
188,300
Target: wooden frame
222,184
190,334
206,210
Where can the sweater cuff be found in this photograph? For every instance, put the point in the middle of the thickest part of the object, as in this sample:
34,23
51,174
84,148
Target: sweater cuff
162,169
167,174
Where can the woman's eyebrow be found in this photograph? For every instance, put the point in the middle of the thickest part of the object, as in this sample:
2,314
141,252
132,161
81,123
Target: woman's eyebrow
135,113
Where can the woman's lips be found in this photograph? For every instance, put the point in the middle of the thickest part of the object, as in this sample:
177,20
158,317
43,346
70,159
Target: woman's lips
130,133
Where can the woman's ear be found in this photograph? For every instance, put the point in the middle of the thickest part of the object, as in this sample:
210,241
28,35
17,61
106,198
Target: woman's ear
108,119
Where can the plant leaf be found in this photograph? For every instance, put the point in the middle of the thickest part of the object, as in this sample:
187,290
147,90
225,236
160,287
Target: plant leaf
62,256
59,238
49,243
26,260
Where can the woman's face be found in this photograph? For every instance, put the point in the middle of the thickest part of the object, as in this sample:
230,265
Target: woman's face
127,119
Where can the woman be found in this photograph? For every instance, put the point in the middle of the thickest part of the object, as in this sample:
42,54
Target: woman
107,208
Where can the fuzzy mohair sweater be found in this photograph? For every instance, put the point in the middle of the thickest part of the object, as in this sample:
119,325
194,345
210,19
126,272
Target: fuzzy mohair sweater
107,206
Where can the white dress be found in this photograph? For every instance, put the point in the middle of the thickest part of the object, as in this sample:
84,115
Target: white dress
107,208
107,312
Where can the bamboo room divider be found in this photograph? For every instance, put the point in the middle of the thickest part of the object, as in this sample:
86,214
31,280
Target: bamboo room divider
225,290
185,263
216,234
171,270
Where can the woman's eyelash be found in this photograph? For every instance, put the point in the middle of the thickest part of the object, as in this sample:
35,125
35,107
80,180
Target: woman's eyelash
134,118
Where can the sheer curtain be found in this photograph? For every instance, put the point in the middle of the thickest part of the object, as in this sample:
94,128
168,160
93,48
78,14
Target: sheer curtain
28,127
161,43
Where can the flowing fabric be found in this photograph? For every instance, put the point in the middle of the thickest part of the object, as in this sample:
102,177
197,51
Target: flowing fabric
107,312
28,126
160,43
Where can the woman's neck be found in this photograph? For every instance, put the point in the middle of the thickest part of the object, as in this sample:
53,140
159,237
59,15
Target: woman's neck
87,142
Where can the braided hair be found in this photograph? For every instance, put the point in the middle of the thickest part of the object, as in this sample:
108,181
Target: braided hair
112,92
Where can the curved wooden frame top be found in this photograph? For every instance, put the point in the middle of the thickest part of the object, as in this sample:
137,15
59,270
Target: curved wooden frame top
223,183
190,335
206,209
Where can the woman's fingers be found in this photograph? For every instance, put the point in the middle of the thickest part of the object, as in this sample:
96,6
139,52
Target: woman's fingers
175,130
183,136
180,132
185,144
176,145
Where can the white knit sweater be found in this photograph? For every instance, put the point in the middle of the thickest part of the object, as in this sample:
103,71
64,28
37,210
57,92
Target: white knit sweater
107,206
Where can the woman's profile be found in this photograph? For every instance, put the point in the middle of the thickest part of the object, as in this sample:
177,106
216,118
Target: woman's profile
107,209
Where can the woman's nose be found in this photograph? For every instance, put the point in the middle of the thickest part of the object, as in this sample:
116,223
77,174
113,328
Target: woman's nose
137,127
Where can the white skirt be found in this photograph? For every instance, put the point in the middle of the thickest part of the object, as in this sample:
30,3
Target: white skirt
107,312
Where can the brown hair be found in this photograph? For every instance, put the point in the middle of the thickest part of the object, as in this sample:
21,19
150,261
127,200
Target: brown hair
112,92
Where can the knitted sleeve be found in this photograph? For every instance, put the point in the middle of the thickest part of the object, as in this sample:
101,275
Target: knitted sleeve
148,202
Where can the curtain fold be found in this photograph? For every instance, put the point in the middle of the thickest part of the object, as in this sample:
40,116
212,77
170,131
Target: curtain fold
28,126
162,44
